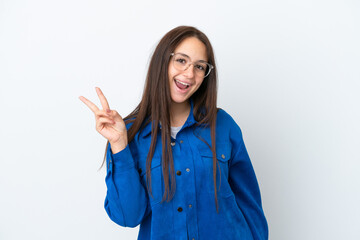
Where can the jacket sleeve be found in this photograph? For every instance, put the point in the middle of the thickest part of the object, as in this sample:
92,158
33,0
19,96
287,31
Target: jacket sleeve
126,201
244,184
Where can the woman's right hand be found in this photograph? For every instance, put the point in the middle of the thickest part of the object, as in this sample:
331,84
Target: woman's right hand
108,122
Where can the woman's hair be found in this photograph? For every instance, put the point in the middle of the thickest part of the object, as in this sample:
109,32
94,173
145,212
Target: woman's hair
156,101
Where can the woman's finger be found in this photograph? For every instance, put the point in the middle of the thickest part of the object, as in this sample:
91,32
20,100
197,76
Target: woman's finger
115,115
104,102
100,124
88,103
102,113
103,120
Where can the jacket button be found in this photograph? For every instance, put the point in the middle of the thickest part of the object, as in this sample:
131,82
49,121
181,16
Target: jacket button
172,143
190,206
179,209
178,173
222,156
188,169
181,141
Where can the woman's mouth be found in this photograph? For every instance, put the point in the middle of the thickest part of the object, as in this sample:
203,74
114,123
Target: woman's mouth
181,85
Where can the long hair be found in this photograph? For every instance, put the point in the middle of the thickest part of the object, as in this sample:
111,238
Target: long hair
156,100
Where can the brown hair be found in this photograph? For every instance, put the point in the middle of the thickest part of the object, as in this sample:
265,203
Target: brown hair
155,105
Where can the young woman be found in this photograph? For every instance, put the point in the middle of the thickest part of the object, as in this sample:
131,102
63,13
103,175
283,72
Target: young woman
178,165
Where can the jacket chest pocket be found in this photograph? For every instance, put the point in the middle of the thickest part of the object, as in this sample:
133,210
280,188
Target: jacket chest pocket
223,155
156,178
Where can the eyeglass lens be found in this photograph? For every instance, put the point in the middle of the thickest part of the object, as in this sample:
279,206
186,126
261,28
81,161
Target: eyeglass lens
182,62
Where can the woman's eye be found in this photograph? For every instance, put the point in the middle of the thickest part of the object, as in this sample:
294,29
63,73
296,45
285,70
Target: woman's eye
200,67
181,60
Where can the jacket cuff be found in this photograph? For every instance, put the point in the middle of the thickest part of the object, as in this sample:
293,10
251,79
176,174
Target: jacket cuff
122,160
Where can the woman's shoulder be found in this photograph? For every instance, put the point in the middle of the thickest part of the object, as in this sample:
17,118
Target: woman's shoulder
129,122
224,118
226,123
226,127
142,129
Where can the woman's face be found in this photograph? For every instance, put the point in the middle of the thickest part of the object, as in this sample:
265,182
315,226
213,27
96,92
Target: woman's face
195,50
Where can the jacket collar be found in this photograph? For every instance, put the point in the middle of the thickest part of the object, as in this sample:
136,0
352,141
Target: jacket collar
189,121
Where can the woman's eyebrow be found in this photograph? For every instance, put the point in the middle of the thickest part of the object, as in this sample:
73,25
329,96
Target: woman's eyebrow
183,54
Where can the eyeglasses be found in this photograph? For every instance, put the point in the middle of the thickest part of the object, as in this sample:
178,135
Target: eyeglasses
182,62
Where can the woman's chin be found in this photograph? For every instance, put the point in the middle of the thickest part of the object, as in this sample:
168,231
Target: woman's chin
179,100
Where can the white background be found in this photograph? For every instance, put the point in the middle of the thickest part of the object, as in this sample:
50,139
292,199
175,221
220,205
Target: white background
288,74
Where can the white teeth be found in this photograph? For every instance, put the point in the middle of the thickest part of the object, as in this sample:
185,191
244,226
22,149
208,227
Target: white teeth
185,84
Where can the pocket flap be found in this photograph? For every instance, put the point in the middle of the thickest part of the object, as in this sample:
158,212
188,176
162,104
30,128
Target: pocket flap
223,151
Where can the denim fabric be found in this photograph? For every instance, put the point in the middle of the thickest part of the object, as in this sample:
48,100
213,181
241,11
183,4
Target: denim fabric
191,214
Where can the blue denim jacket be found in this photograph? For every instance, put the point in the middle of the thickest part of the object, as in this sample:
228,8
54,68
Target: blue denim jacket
191,214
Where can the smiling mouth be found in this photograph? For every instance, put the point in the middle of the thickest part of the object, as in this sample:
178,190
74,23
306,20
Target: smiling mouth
181,85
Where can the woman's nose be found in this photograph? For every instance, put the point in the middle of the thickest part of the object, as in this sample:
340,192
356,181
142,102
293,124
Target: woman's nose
189,71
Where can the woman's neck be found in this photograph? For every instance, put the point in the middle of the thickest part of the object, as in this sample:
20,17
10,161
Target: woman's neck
179,113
